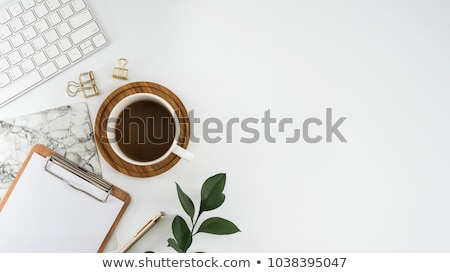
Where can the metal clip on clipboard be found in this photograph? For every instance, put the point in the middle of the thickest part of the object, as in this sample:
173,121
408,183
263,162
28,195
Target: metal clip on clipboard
94,181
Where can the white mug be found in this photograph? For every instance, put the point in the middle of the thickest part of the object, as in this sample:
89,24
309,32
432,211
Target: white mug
115,115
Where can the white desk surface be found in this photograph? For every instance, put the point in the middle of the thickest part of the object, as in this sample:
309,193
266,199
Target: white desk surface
382,64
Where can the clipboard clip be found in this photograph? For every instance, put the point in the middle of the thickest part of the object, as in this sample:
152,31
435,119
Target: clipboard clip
92,179
86,85
120,72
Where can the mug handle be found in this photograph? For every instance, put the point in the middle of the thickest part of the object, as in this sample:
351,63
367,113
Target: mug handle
183,153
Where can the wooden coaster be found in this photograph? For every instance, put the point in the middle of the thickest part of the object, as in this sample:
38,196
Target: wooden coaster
101,124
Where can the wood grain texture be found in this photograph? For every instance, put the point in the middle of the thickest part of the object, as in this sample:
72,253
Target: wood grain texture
101,125
44,151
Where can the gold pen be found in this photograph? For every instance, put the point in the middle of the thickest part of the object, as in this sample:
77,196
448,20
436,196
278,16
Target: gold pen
142,231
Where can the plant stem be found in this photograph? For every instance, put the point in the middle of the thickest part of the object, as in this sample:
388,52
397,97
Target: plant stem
195,223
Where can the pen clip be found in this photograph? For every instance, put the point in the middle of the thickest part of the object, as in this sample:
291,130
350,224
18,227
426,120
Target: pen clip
154,220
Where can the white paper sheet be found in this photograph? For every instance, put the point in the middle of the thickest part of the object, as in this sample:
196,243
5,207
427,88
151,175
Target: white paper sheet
45,214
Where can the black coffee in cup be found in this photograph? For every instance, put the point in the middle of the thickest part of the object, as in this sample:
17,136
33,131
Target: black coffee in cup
145,130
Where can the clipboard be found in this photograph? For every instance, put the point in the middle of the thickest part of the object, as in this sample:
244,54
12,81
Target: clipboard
50,194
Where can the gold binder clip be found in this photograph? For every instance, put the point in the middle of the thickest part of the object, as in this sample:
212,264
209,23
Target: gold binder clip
86,85
121,72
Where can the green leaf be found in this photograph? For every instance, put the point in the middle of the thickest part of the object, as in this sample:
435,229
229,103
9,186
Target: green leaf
218,226
213,186
173,244
186,202
211,193
213,202
182,233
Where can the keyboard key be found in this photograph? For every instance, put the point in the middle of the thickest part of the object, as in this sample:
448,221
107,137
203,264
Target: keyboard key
64,44
41,26
27,50
17,40
84,32
51,36
22,85
5,47
66,12
4,80
29,33
15,73
78,5
54,19
80,19
16,9
62,61
52,51
27,65
16,25
41,11
14,57
28,4
48,69
99,40
4,16
39,43
40,58
4,64
63,28
87,47
74,54
53,4
29,18
5,32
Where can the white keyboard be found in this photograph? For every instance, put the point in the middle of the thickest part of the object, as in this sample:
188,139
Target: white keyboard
40,38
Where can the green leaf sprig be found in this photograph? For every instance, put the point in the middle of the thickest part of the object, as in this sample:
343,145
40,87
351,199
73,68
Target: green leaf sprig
212,197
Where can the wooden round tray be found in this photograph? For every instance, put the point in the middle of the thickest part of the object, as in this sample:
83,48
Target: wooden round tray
101,125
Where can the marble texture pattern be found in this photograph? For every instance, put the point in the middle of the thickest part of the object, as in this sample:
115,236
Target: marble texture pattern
67,130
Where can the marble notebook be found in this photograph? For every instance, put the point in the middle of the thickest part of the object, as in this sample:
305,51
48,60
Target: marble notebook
67,130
